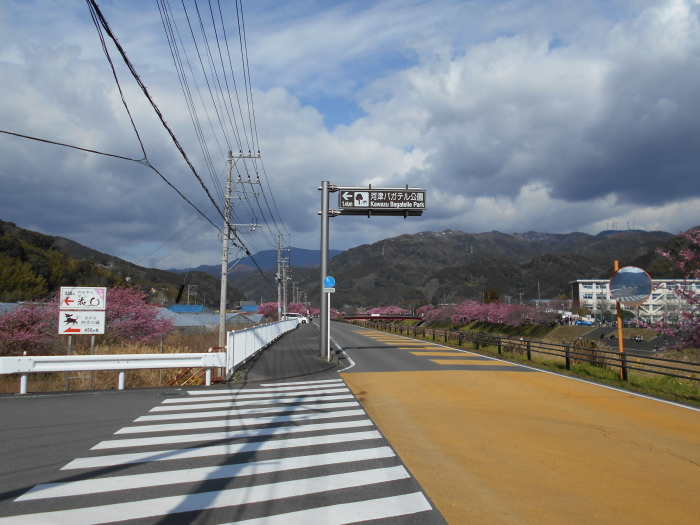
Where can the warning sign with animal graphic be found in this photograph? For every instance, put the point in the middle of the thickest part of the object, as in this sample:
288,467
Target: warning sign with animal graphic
81,322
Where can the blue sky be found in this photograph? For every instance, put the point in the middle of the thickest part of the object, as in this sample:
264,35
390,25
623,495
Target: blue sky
514,115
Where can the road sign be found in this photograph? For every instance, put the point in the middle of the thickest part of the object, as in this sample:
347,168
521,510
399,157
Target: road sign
83,298
381,201
329,282
81,322
630,286
328,290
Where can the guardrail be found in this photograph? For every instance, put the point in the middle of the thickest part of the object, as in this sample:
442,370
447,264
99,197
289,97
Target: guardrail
25,365
242,345
571,354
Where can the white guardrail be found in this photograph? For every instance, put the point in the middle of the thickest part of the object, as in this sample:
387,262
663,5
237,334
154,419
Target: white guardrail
242,344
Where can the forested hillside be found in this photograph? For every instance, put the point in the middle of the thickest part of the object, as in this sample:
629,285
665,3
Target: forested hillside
34,266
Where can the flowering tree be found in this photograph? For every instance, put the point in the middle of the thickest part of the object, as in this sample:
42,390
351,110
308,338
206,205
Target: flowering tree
129,317
388,310
424,310
297,308
30,328
314,311
268,309
687,260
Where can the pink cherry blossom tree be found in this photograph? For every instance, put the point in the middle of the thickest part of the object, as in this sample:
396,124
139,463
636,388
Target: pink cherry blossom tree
268,309
30,328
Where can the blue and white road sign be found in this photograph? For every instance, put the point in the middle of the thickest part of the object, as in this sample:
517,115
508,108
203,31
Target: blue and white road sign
329,282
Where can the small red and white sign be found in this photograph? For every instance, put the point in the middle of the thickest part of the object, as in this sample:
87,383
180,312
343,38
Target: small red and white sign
83,298
81,322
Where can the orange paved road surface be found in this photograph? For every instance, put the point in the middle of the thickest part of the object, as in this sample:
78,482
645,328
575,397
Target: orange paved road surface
505,447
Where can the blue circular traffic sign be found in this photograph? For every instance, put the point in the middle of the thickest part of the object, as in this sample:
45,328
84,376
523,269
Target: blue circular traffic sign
329,282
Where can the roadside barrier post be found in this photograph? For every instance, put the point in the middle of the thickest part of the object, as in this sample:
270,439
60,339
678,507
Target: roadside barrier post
568,357
433,334
499,345
529,353
122,375
23,383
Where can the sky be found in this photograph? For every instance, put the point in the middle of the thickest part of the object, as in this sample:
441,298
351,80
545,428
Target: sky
513,115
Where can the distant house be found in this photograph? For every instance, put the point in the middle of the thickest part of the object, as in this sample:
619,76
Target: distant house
249,306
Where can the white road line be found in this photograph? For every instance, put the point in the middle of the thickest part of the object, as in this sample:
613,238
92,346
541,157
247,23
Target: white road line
169,427
246,402
209,500
235,434
218,450
321,382
343,513
245,412
94,486
232,406
268,389
260,394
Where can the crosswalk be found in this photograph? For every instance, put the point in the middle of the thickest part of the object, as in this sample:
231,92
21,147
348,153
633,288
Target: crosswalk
282,453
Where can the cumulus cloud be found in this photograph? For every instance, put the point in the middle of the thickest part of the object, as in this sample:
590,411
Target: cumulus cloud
547,116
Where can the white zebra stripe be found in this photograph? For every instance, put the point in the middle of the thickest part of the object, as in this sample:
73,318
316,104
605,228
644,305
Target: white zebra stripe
234,434
217,450
244,412
343,513
172,408
94,486
239,422
253,394
246,402
318,388
321,382
209,500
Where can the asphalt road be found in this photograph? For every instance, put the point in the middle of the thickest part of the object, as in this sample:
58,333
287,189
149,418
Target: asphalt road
497,443
297,450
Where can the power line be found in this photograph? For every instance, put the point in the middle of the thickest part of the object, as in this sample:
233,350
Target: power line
109,32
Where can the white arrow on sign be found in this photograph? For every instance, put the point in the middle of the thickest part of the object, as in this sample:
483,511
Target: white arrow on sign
347,196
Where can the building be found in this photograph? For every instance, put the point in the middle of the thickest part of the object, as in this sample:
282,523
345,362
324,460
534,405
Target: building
663,304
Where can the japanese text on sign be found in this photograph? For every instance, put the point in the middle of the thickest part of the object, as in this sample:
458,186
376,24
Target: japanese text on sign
383,199
83,298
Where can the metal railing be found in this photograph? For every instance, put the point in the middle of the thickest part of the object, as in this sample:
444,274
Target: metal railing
570,353
242,345
25,365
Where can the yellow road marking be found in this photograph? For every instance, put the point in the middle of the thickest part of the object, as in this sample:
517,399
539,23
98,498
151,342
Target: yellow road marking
471,362
439,354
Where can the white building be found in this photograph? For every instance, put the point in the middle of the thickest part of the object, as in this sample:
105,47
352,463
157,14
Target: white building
663,304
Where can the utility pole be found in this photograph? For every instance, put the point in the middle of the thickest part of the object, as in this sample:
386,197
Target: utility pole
188,291
279,277
227,230
224,251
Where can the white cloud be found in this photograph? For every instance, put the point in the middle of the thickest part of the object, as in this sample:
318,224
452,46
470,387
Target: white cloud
515,116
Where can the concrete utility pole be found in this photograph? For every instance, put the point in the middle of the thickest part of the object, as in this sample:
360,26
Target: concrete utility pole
323,317
226,231
278,277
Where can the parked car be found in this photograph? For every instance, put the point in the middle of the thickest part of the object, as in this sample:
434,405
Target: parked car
302,318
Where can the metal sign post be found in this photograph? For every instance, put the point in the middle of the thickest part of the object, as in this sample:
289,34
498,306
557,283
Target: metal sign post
401,202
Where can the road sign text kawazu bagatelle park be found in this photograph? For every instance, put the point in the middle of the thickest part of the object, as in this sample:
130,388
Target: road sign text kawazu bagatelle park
381,201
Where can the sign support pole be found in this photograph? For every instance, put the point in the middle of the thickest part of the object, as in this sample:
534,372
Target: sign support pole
325,310
620,339
328,332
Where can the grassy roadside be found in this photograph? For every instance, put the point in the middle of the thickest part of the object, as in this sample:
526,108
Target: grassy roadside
669,388
175,342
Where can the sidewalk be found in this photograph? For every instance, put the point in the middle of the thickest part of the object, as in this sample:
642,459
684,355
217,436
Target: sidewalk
293,355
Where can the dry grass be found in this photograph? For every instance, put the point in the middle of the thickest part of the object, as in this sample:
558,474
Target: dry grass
175,342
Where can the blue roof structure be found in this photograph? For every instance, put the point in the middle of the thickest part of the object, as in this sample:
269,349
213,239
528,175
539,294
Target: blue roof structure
189,309
6,307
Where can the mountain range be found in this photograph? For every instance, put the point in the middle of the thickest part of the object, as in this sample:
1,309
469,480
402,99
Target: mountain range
450,266
408,270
